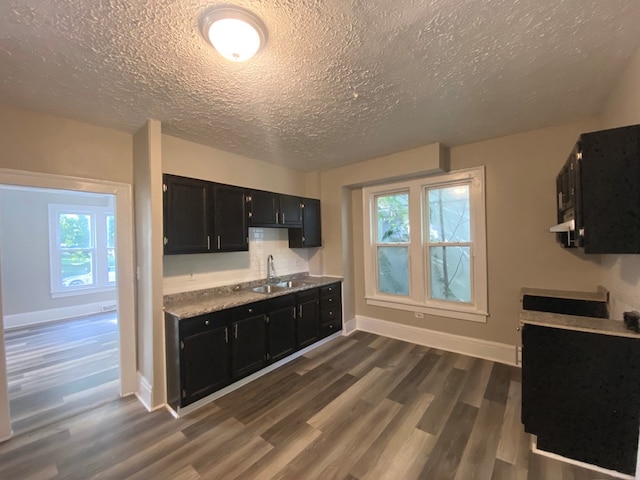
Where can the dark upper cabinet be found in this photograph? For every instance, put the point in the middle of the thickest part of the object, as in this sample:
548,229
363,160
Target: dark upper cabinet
187,215
230,219
598,189
310,233
249,345
270,209
203,217
290,210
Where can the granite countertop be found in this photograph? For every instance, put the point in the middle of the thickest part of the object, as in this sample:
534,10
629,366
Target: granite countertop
603,326
601,295
199,302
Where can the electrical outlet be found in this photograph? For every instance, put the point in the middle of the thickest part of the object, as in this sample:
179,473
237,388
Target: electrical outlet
419,314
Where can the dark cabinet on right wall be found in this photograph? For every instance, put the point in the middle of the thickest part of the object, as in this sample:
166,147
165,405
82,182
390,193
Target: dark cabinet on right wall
598,193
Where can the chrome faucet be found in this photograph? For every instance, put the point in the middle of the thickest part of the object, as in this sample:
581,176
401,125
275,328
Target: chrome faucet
271,271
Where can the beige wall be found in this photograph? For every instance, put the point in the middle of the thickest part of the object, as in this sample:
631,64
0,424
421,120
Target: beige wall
37,142
621,273
520,200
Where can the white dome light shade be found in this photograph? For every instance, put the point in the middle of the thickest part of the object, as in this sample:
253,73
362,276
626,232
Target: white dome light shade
235,33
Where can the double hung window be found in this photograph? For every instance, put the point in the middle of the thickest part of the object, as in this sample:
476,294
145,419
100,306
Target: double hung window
425,245
82,249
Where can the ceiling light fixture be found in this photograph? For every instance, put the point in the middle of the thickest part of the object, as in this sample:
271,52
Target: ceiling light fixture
235,33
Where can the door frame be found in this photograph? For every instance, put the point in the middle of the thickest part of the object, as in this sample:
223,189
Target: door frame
125,274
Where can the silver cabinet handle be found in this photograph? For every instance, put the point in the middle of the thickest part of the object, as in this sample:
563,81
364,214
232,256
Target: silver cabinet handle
218,242
294,313
226,335
277,217
300,310
283,220
235,331
208,242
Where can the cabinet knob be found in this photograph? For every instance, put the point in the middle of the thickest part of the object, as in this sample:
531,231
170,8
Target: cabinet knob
331,327
206,322
251,310
331,289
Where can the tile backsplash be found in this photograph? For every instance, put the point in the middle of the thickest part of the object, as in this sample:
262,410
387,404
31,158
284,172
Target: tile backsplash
183,273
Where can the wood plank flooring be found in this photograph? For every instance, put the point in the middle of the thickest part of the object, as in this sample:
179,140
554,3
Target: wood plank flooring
60,369
360,407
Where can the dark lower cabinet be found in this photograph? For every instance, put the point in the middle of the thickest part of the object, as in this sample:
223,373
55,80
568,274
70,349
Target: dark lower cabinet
330,309
249,346
308,317
581,395
281,327
198,357
209,352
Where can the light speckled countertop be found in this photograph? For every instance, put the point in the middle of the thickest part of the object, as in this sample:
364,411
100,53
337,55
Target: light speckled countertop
605,326
199,302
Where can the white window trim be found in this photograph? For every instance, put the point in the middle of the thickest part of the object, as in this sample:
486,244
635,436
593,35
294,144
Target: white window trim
417,301
99,214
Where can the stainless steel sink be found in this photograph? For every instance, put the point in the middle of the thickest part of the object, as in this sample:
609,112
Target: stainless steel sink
292,284
279,287
266,289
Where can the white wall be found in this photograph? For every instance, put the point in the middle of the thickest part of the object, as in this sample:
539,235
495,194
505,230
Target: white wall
25,238
621,273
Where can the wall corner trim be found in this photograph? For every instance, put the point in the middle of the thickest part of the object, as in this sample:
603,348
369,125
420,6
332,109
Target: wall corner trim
349,327
494,351
144,392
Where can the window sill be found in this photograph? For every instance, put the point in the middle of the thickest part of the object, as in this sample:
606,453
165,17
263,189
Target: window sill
468,314
82,291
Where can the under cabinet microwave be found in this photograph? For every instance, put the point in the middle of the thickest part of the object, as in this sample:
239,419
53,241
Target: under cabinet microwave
598,193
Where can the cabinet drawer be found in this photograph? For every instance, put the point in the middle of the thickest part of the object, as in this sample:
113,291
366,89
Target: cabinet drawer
329,290
284,301
330,328
203,323
331,314
246,311
330,302
307,295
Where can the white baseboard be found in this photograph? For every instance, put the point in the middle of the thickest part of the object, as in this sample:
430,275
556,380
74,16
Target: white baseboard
144,392
497,352
349,327
19,320
588,466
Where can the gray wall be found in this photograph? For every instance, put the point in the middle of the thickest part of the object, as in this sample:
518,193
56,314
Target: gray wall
24,243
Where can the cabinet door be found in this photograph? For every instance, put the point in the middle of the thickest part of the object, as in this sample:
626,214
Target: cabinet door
308,323
249,345
187,214
205,363
580,395
282,333
290,211
230,231
310,235
264,208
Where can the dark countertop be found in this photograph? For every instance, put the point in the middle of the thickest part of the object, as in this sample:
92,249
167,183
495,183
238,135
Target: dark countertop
200,302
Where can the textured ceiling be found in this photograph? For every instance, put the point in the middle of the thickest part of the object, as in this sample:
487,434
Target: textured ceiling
338,81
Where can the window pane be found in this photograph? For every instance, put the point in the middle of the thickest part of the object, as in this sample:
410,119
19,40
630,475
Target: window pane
449,214
111,231
76,268
393,270
392,214
74,230
451,273
111,264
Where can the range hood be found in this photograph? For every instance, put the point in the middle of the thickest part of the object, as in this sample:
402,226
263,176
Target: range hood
569,226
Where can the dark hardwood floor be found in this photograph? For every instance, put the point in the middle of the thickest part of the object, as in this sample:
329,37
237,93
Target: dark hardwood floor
360,407
60,369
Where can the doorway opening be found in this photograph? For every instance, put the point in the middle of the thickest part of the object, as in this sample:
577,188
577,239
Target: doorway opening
59,301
